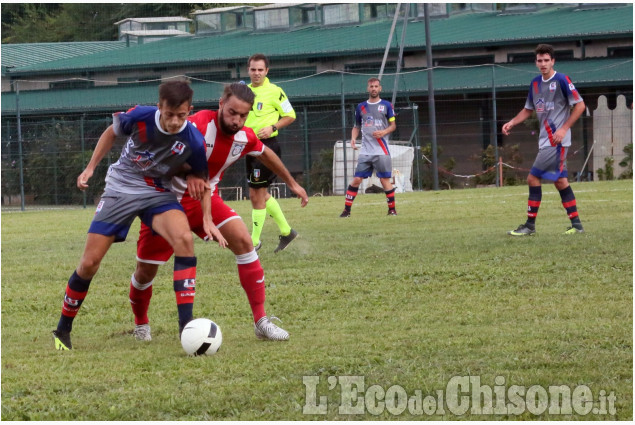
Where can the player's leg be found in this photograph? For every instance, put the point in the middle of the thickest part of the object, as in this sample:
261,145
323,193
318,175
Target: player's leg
570,205
258,185
77,287
172,224
362,171
383,168
533,204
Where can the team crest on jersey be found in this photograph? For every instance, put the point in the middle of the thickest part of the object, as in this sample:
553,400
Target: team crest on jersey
237,149
540,105
189,283
381,108
178,148
144,159
370,121
259,106
571,87
552,86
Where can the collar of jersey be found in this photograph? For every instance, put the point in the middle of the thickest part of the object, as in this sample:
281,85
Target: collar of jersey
265,82
157,121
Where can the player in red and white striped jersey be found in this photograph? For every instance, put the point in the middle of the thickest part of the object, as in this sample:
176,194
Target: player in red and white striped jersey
227,140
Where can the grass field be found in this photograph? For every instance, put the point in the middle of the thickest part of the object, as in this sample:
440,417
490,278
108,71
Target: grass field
414,301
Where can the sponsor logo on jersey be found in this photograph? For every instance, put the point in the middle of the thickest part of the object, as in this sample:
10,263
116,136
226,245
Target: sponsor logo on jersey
178,148
99,206
259,106
540,105
237,149
370,121
144,159
550,106
552,86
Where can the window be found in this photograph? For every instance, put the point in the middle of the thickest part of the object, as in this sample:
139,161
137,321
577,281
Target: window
71,84
435,10
147,80
391,66
464,61
272,18
340,13
620,52
208,23
222,76
284,72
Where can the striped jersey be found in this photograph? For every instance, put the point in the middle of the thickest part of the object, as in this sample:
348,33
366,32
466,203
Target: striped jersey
151,156
270,104
370,117
221,150
552,100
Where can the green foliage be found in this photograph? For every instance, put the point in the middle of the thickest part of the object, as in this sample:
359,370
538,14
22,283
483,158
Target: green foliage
438,291
607,172
446,179
510,154
627,162
321,173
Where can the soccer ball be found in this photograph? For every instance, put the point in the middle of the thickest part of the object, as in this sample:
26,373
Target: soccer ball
201,336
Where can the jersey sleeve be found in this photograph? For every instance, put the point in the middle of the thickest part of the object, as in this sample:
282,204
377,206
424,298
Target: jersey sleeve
254,146
569,91
358,116
124,122
390,112
283,105
200,120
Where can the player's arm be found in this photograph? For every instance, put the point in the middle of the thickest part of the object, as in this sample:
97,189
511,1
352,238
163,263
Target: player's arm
208,224
378,134
576,113
274,163
104,145
267,131
354,135
519,118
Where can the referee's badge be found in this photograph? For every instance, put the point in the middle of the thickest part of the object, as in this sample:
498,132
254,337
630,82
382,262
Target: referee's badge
257,173
259,106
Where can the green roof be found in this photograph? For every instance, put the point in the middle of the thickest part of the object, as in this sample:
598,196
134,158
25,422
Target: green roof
35,54
555,23
327,86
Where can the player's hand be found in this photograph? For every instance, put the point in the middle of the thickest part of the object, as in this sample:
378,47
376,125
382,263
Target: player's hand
301,193
378,134
354,145
559,135
507,127
196,186
82,180
213,232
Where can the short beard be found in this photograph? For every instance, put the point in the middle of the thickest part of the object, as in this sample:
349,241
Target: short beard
224,127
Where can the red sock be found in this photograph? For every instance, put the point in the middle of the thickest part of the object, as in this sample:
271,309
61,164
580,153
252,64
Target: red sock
252,279
140,300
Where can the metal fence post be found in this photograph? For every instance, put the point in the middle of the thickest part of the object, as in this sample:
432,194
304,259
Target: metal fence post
21,160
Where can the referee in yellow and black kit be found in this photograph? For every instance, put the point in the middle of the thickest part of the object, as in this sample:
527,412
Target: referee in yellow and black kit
271,112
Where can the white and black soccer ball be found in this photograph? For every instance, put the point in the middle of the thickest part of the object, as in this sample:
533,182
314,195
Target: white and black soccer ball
201,337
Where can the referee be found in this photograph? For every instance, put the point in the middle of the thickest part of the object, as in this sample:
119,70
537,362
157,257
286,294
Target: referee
271,112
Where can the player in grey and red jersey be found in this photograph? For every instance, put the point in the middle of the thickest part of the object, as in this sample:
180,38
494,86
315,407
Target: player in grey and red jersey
558,105
160,143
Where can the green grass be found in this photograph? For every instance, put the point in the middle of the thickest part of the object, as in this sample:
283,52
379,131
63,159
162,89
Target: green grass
413,300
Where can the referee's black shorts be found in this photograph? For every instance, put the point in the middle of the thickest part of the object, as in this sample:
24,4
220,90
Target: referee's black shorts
257,174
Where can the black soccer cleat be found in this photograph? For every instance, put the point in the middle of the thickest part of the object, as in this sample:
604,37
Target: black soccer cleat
285,241
345,214
62,340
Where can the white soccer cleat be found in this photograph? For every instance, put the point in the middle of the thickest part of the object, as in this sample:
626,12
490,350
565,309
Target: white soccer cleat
142,333
266,330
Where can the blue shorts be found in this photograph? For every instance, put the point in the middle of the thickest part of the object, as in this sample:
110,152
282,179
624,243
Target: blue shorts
551,163
116,211
382,164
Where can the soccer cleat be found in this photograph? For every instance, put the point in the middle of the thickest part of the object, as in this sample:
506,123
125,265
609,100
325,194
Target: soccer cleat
522,230
573,230
392,212
257,247
285,241
266,330
142,333
62,340
345,214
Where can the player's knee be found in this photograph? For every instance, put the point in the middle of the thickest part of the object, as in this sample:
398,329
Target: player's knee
145,272
241,244
88,267
183,244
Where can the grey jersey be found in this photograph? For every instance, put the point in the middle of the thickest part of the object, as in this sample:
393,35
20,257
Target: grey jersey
151,156
370,117
552,101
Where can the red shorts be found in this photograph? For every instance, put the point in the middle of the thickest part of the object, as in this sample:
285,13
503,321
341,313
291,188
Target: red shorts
152,248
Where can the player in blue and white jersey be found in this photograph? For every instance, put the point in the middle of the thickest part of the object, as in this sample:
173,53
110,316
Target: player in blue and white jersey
375,118
558,105
161,143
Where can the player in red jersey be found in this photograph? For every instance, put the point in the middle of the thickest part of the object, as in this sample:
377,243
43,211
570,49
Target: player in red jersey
227,140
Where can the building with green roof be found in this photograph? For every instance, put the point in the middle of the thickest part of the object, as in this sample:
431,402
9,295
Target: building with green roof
323,53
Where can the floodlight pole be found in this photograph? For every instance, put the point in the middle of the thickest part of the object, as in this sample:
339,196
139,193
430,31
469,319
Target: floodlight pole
392,31
19,123
494,131
431,112
400,57
344,131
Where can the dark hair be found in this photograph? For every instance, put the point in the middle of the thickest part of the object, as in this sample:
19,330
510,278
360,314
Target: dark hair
241,91
258,57
545,49
175,93
373,79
